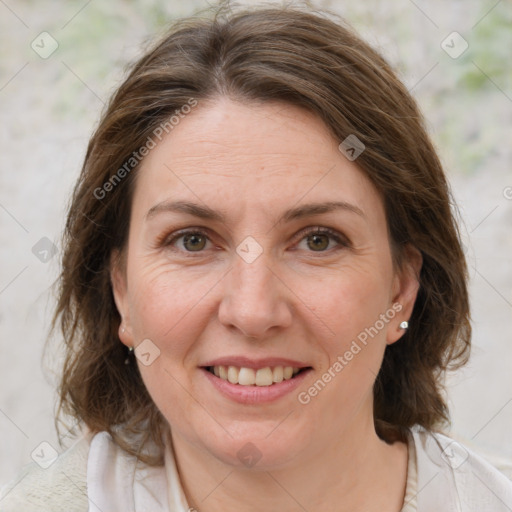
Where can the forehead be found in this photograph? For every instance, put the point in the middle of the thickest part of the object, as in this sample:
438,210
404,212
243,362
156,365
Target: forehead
254,155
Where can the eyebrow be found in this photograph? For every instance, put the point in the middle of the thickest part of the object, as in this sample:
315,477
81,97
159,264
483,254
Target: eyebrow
205,212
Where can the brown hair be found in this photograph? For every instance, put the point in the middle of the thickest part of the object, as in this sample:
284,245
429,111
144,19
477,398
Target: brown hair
283,54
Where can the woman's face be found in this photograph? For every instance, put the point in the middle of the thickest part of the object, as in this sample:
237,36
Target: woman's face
224,269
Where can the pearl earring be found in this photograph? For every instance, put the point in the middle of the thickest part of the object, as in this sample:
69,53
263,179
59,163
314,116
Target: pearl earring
404,325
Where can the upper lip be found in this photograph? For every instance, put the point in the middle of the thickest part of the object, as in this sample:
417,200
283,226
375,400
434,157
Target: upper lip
245,362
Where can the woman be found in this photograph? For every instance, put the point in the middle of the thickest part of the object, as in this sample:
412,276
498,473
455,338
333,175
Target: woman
262,287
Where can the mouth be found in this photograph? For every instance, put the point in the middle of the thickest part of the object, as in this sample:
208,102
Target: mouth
250,381
256,377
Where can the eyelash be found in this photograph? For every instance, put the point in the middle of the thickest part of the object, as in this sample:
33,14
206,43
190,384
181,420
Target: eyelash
337,237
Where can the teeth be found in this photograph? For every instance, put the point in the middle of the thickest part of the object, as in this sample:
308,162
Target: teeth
250,377
287,372
233,374
264,377
247,377
277,374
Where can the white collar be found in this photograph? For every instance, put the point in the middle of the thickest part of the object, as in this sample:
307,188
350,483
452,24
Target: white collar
118,481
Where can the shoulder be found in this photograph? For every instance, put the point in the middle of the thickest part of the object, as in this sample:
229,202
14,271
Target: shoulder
451,476
60,487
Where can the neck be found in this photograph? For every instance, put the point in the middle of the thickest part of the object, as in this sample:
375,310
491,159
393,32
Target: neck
356,472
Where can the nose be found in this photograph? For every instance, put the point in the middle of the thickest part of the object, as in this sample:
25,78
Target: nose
255,300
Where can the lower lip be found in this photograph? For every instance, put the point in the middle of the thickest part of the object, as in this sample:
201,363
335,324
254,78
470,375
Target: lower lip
255,394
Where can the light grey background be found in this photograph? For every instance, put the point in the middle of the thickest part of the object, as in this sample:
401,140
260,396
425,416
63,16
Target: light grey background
49,107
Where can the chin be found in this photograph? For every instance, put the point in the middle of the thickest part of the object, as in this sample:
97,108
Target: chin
253,447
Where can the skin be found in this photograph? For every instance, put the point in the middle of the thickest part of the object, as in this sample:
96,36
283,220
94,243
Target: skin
252,162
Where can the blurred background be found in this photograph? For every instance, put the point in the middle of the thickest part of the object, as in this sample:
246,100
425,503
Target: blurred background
61,60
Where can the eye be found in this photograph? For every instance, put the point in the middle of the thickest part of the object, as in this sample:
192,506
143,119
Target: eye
191,240
319,239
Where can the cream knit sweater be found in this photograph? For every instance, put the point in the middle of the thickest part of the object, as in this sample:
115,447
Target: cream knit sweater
60,488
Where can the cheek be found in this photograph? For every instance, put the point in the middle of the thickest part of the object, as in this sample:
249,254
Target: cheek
352,308
166,308
163,298
356,308
352,301
165,384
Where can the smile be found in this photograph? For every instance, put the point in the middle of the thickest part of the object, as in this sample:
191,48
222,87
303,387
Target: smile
251,381
243,376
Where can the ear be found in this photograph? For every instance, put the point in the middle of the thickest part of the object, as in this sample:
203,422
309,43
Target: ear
120,290
405,290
